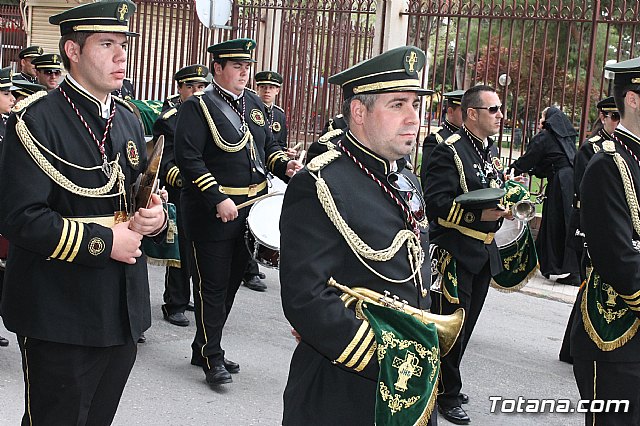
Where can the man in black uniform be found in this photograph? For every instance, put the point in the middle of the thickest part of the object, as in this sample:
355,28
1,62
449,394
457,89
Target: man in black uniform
610,117
26,55
48,70
177,280
76,291
7,100
604,341
126,91
461,164
451,124
24,88
224,150
268,83
334,371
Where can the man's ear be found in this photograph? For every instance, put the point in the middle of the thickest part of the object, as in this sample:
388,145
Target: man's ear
358,110
72,50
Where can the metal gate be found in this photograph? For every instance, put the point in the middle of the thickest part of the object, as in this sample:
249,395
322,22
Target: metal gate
536,53
12,35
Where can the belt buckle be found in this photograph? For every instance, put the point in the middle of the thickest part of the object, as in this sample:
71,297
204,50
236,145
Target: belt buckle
253,190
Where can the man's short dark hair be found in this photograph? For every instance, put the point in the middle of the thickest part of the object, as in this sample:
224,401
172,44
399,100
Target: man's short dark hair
472,98
620,91
78,37
368,99
222,62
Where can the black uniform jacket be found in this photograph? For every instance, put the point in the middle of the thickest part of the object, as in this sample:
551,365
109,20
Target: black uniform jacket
60,283
334,369
430,143
277,122
605,217
165,125
543,158
171,101
205,166
450,224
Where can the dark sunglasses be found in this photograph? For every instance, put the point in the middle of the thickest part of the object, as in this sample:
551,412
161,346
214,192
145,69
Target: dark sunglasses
56,72
615,116
410,194
492,109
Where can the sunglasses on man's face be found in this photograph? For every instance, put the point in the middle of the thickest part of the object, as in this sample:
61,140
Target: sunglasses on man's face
615,116
52,72
492,109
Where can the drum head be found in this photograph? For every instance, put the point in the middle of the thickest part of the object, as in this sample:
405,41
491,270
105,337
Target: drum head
264,221
509,232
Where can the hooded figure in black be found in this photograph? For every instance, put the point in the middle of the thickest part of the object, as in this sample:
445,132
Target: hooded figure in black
551,155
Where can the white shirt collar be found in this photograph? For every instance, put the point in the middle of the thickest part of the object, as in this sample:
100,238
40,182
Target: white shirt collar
105,109
233,95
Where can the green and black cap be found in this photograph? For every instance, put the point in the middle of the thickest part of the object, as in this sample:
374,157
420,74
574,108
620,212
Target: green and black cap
393,71
238,50
26,88
625,72
50,61
607,105
486,198
454,98
269,77
192,74
105,16
30,52
5,80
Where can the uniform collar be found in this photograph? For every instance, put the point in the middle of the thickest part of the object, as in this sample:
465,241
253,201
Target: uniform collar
228,93
622,131
79,92
481,144
604,134
368,158
452,127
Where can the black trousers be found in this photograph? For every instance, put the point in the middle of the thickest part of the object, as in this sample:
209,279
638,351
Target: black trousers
472,291
177,281
217,274
252,269
73,385
600,380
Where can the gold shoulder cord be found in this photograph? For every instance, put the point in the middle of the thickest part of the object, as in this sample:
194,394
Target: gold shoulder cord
361,249
29,142
460,167
629,190
217,137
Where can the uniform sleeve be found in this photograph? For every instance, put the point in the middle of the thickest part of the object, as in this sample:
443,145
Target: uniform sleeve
608,228
313,251
428,146
191,137
27,217
441,188
276,158
168,168
532,156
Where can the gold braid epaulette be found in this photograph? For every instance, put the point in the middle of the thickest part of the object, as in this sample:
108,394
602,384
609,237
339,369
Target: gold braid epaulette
323,160
29,142
330,135
629,189
359,247
217,137
450,141
122,102
28,101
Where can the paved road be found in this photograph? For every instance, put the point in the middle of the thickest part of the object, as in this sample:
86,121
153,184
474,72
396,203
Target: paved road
513,353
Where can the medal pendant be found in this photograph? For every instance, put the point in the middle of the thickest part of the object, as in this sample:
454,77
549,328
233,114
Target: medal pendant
120,216
244,128
107,169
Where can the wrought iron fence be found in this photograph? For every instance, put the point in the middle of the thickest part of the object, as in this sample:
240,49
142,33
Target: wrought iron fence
12,35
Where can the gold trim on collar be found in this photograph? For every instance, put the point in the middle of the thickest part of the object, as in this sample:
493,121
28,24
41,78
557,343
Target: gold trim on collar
381,85
367,151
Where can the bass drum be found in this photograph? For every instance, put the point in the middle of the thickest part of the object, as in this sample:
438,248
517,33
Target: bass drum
263,233
518,254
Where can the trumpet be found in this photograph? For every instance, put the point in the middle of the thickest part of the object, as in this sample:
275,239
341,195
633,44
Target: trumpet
447,326
523,210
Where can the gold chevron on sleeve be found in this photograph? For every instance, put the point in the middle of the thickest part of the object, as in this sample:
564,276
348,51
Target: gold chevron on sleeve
367,357
354,342
632,299
458,216
205,181
73,230
63,238
455,207
364,345
271,161
76,246
172,175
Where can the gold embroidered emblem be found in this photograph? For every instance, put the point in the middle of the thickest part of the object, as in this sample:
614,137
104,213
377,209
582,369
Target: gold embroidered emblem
497,163
199,70
276,127
55,58
407,368
411,59
96,246
132,154
257,117
248,47
469,217
40,50
269,76
122,12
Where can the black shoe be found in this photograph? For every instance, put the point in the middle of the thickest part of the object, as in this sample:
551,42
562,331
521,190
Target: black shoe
190,307
218,375
4,342
464,398
142,338
455,415
571,279
261,275
177,318
255,283
232,367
